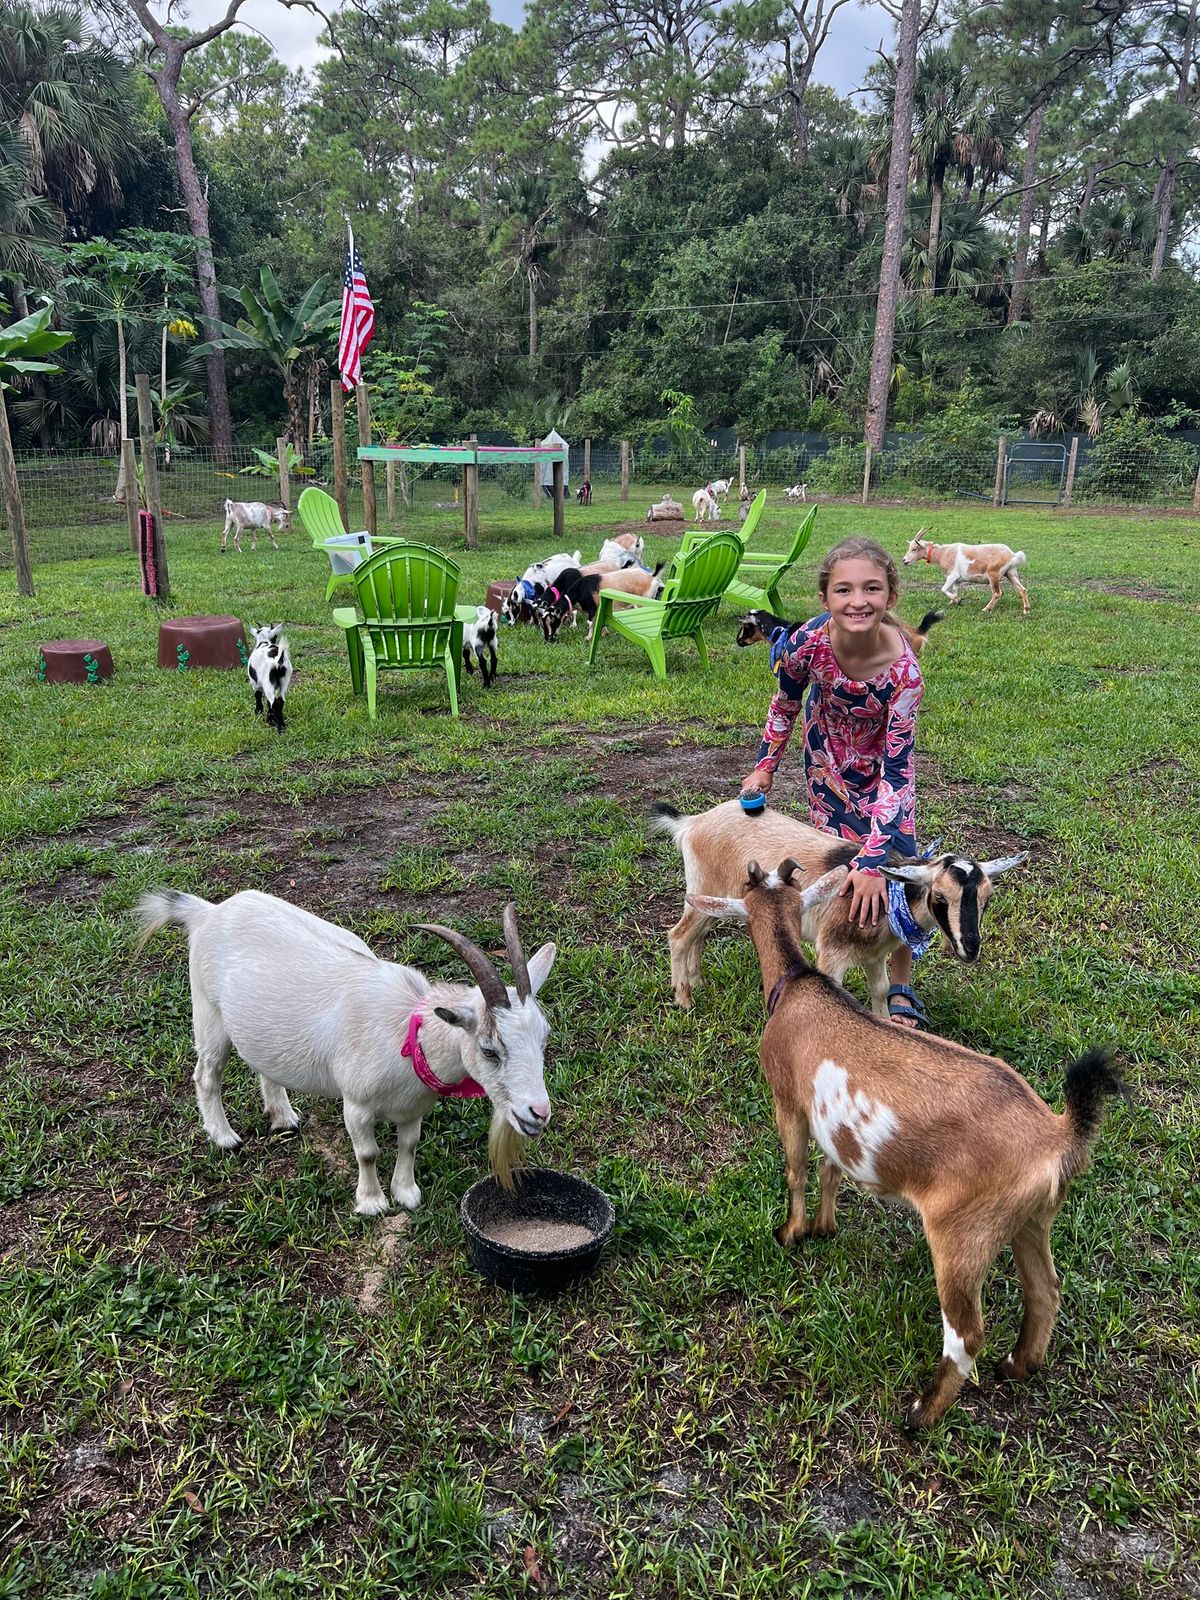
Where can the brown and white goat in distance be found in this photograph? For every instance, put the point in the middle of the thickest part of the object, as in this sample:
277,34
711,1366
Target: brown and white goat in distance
960,1137
757,626
949,892
971,563
312,1009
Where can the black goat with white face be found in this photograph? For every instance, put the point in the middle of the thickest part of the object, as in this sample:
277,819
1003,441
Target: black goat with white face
479,643
269,670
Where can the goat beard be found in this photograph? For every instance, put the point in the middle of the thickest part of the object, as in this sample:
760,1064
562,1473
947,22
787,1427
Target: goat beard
506,1149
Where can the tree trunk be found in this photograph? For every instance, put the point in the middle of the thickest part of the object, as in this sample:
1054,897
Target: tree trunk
893,236
1025,215
935,229
533,319
11,490
1044,236
1089,189
1164,197
797,91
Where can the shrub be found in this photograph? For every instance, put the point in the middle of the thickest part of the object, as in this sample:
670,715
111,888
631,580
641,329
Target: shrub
951,446
840,470
1137,458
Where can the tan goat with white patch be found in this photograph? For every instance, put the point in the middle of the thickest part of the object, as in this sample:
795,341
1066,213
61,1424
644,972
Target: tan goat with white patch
948,892
971,563
959,1137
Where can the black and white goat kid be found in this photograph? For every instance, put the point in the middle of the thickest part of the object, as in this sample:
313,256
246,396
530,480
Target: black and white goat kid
479,641
269,670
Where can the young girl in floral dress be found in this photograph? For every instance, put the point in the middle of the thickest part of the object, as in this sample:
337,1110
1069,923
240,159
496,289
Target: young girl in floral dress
859,731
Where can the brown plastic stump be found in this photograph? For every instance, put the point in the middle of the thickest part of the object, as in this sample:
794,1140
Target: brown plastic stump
74,661
189,642
497,594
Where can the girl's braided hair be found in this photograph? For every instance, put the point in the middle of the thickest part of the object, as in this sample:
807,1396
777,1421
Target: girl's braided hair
858,548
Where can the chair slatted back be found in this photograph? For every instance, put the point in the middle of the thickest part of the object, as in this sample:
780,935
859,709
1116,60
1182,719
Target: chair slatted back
320,515
407,593
696,582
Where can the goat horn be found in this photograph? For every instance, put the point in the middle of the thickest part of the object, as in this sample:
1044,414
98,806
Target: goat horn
516,956
788,869
490,983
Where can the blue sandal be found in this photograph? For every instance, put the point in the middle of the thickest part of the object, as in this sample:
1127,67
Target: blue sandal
913,1011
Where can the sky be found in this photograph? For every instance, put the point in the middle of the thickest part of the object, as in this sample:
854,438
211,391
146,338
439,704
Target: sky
855,35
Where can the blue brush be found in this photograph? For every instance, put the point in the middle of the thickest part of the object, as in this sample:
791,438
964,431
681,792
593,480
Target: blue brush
754,802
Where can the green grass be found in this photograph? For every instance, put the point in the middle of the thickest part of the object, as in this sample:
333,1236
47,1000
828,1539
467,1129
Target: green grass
195,1401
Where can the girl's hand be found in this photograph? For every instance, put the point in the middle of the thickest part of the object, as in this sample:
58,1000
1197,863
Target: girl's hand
869,900
758,783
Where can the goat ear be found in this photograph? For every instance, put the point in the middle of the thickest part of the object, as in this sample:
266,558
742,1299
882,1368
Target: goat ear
993,869
539,966
825,888
914,874
718,906
457,1019
755,875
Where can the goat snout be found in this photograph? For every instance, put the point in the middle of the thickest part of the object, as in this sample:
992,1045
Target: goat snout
533,1119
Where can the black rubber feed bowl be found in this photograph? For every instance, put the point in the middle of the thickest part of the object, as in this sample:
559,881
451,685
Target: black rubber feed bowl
539,1194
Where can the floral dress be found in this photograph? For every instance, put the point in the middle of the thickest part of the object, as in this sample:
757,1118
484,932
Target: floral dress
858,741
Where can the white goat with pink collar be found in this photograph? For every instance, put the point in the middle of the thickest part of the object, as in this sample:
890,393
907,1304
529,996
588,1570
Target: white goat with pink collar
310,1008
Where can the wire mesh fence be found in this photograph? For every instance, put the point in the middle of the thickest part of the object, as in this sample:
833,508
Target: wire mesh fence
75,505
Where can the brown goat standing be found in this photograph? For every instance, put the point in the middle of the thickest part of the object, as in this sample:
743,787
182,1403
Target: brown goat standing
960,1137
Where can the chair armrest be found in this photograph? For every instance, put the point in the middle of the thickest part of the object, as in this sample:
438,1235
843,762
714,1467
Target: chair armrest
346,617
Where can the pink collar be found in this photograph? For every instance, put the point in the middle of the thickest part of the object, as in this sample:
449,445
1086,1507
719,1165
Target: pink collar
464,1089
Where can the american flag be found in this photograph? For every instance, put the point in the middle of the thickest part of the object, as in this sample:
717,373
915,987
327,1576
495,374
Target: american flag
358,318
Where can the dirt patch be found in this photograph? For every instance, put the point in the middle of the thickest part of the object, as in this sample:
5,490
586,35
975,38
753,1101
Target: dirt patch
1130,591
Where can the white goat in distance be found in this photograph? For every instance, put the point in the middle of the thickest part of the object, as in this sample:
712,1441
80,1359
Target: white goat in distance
311,1008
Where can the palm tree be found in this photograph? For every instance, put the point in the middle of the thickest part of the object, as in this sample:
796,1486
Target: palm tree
956,127
67,98
290,338
27,220
527,237
22,345
1120,228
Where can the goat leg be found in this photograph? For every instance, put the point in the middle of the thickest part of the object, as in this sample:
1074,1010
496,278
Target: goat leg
369,1198
825,1224
280,1113
405,1191
793,1135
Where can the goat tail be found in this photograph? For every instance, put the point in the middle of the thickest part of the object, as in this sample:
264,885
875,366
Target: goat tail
506,1149
160,907
1089,1082
664,818
1018,559
930,620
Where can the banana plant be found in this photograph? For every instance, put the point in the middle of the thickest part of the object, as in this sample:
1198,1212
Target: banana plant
22,347
291,338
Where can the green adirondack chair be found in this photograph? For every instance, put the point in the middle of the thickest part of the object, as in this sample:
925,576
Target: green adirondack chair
695,583
761,573
323,523
695,536
410,622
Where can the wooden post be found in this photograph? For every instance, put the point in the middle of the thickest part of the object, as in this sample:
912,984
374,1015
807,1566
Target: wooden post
998,487
471,495
12,502
537,481
1072,462
285,480
559,522
337,427
1196,492
150,473
624,469
587,461
129,473
741,469
866,492
363,401
391,485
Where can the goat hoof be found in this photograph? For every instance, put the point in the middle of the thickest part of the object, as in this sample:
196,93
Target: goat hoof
372,1206
285,1130
226,1141
821,1231
407,1196
1010,1370
790,1237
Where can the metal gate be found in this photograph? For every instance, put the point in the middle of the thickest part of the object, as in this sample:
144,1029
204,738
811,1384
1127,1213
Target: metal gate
1034,475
